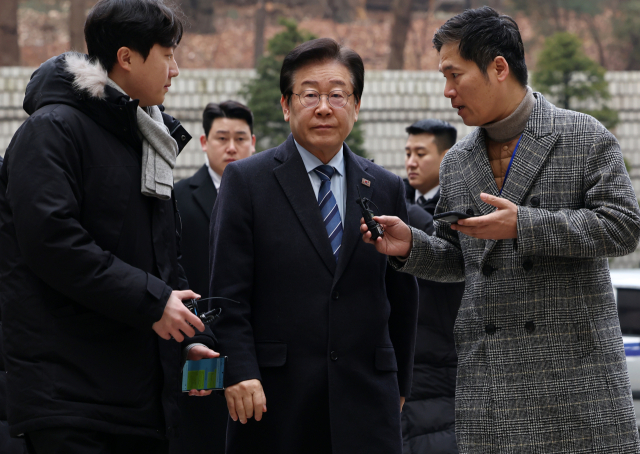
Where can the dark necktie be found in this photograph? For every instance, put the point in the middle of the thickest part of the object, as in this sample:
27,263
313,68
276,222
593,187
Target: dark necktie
422,202
329,208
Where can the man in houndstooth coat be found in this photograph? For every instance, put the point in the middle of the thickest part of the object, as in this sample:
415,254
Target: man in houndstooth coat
541,361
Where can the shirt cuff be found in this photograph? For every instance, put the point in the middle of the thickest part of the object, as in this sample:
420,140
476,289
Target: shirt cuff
185,351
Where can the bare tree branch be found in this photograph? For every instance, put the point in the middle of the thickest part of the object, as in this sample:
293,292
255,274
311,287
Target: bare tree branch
399,29
9,50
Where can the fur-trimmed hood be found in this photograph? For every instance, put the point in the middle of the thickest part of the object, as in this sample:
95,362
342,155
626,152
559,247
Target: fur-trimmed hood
68,79
74,80
88,76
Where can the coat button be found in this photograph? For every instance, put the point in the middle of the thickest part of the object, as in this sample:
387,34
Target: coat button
470,212
490,329
527,265
487,270
183,137
334,356
530,326
335,295
535,202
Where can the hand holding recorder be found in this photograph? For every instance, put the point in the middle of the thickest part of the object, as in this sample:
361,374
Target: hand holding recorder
397,236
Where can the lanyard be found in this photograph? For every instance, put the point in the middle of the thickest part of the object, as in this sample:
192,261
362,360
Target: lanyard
509,167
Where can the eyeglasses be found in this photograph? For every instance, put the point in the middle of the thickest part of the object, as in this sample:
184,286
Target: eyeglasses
311,98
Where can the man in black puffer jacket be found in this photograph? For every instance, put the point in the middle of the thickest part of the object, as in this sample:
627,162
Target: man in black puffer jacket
428,417
89,275
8,445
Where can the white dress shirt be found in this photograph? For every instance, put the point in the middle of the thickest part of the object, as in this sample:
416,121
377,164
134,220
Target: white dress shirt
217,179
429,195
338,181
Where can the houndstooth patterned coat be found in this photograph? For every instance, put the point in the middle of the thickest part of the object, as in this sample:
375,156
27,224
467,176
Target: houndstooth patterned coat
541,362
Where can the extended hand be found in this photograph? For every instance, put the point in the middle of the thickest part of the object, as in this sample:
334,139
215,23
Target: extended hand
502,224
396,241
246,399
177,320
195,354
401,403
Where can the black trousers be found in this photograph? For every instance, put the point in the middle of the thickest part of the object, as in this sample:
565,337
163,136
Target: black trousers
66,440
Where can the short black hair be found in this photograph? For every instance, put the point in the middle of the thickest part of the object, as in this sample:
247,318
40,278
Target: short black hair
136,24
227,109
320,50
444,134
483,34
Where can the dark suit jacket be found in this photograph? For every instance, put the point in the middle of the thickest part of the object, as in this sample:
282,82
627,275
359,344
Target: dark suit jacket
203,419
331,342
196,196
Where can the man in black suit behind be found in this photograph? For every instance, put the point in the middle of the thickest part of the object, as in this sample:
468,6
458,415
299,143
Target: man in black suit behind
228,136
428,419
324,329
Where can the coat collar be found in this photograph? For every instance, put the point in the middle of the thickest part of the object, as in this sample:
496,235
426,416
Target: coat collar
203,190
538,139
293,177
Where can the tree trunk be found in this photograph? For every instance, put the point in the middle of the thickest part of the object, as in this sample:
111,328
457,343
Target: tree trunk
591,22
77,16
399,29
341,11
9,50
633,64
201,12
258,45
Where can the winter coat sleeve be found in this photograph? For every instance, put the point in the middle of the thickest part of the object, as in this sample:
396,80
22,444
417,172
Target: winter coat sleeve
437,257
402,292
232,274
607,226
45,192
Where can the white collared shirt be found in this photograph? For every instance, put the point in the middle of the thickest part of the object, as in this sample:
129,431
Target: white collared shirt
338,181
429,195
217,179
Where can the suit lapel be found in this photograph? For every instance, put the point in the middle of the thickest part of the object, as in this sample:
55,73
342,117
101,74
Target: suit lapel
294,180
203,190
538,139
476,170
351,237
537,142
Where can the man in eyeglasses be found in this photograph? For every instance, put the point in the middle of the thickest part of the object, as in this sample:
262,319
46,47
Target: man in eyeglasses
325,329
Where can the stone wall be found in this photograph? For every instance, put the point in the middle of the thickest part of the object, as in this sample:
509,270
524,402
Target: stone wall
391,101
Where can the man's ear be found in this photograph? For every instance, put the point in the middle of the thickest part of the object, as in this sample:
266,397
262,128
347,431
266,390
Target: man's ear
357,107
203,142
124,57
501,68
253,143
286,108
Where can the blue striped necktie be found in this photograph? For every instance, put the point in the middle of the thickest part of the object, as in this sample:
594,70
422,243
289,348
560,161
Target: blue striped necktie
329,208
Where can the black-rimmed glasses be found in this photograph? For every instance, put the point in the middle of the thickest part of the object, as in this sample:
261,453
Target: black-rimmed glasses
311,98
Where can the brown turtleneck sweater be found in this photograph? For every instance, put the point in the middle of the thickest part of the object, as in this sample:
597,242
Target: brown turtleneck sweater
502,137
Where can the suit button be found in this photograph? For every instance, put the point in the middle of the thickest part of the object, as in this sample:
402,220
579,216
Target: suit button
530,326
490,329
335,295
183,137
470,212
535,202
334,356
527,265
487,270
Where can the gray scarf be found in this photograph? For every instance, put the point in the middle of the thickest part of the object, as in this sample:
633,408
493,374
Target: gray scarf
511,127
159,151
